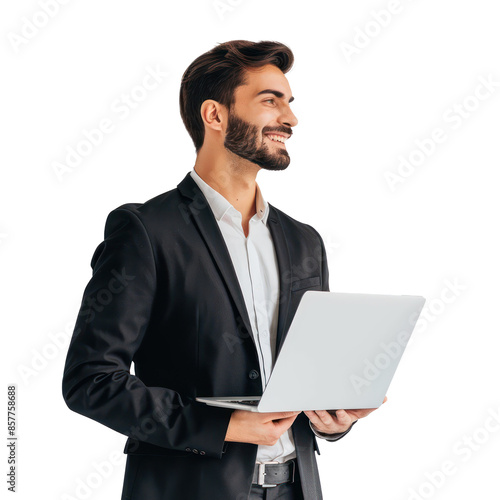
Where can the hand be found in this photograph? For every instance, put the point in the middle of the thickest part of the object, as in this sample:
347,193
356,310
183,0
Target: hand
259,428
333,422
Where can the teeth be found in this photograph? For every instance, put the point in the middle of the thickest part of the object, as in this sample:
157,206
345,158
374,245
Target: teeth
278,138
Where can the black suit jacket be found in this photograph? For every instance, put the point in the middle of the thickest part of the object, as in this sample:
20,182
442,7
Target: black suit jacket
164,295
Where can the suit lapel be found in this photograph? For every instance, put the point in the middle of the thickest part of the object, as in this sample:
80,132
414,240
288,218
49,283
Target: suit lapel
210,231
284,270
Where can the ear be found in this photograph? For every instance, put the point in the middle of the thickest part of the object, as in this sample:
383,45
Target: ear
214,115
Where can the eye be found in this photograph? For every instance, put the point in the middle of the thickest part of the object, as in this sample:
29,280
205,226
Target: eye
267,100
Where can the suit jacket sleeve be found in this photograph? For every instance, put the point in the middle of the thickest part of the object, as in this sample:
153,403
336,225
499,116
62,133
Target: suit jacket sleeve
325,286
112,321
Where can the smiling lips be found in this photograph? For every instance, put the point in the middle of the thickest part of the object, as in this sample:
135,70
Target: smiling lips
278,138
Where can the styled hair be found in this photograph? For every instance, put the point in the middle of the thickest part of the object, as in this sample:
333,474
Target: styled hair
216,74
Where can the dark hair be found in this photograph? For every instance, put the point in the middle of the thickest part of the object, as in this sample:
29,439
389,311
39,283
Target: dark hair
216,74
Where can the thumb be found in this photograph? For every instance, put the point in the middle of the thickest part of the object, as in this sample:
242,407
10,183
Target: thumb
284,423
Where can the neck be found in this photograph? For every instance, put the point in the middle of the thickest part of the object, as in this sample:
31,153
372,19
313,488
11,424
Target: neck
232,177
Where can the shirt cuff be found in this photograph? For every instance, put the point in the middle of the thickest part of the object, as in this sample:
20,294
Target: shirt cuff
330,437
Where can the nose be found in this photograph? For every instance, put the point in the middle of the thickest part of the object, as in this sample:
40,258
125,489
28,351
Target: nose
288,118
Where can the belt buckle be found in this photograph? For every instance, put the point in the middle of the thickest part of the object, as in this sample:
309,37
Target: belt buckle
261,480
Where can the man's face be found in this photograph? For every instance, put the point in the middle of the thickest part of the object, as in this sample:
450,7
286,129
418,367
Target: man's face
258,115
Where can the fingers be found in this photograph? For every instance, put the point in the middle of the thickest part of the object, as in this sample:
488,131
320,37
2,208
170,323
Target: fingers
361,413
324,421
314,418
329,416
343,417
324,417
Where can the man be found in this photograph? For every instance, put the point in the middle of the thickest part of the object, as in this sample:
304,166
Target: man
198,287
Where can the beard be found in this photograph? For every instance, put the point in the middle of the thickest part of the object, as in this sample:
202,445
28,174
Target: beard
242,139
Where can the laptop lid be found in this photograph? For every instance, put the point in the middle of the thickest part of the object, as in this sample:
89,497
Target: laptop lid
341,351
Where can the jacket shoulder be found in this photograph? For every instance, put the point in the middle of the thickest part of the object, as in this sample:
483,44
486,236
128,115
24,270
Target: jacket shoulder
291,224
157,210
150,207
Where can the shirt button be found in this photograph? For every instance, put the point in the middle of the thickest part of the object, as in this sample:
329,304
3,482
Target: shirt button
195,450
202,452
188,449
253,374
265,333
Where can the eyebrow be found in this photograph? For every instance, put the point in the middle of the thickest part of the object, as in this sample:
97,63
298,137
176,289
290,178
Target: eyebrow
277,93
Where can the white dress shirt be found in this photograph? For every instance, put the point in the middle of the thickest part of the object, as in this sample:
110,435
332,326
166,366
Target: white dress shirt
256,267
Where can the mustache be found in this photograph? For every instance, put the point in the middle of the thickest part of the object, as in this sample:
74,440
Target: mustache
283,130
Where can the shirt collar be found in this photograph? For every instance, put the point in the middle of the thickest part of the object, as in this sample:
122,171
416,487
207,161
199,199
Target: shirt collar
220,205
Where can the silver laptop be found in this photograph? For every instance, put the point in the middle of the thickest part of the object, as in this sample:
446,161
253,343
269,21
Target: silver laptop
341,352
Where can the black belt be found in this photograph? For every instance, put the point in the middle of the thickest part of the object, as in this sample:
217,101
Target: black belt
269,474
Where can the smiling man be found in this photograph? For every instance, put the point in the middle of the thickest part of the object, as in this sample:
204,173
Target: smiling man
214,276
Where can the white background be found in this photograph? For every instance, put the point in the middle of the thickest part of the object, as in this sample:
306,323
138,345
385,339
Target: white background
357,115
